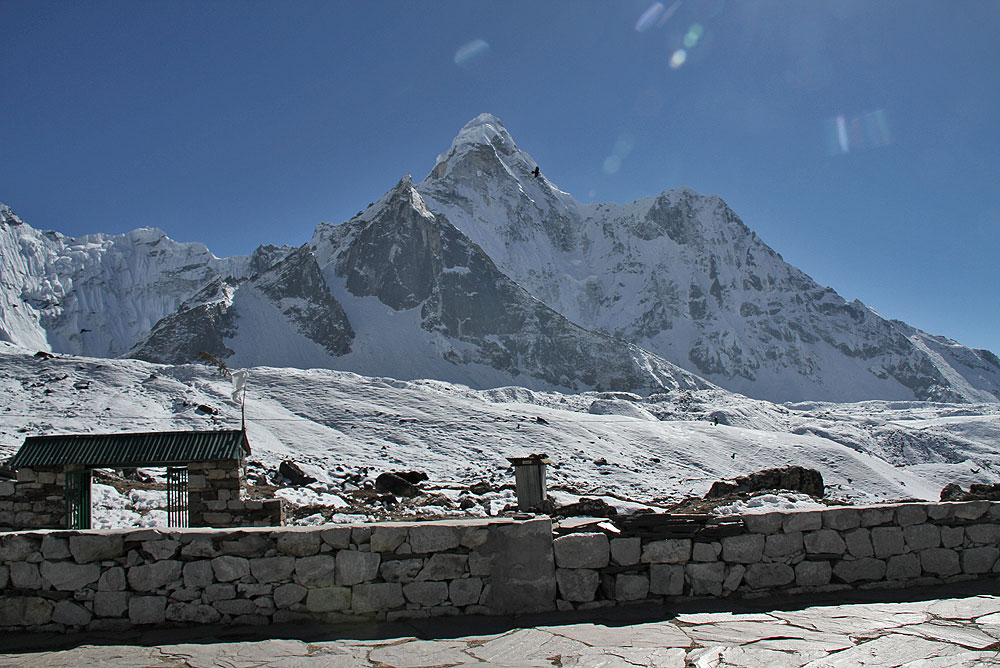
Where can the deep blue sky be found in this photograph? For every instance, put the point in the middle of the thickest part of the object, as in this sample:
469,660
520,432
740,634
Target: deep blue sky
240,123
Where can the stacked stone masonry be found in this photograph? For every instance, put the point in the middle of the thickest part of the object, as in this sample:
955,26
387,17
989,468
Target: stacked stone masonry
788,552
216,498
74,580
34,499
111,580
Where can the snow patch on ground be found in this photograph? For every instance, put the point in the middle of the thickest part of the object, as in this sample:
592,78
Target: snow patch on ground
767,503
110,509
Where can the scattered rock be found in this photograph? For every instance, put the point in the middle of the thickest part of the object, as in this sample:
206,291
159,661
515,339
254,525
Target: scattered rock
951,492
135,475
587,508
412,477
399,482
292,471
206,409
481,488
977,492
794,478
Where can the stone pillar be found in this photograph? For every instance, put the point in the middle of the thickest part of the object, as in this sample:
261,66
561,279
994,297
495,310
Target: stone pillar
211,486
216,498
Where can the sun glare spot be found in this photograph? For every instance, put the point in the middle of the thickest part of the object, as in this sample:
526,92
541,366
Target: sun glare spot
624,146
649,17
471,51
694,34
676,60
656,16
667,14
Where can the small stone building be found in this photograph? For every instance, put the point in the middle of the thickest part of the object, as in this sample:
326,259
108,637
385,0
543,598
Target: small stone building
204,478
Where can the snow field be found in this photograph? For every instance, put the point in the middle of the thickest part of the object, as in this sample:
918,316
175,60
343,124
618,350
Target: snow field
326,419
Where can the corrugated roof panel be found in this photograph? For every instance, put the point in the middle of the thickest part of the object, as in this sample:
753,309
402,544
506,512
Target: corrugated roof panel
127,450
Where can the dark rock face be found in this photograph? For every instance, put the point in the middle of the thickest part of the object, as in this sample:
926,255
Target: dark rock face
793,478
265,257
408,257
296,286
202,324
412,477
199,325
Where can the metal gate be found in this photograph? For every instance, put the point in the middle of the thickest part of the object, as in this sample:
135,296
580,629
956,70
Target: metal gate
177,497
78,499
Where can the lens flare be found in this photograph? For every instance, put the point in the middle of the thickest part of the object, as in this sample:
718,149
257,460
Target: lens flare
612,164
649,17
678,58
471,51
656,16
623,145
694,34
860,132
667,14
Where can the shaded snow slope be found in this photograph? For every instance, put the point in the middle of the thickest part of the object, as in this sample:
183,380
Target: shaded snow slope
866,452
284,316
99,294
681,275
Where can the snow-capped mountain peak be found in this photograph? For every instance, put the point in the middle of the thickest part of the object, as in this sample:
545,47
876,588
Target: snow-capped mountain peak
681,275
487,273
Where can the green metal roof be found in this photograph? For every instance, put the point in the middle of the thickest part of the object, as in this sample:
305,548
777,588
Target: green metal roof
162,448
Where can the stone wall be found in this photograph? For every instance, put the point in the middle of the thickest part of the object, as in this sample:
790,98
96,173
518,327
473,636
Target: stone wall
788,552
75,580
34,500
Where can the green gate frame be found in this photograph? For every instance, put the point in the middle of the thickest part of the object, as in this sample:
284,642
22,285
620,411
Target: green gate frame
177,496
78,499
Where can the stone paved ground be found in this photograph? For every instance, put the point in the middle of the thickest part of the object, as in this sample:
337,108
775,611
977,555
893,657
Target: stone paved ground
943,629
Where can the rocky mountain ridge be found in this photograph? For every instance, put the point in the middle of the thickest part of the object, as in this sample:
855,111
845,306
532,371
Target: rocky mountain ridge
682,276
487,274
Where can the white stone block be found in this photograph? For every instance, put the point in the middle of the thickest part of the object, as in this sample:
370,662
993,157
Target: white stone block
577,584
631,587
668,551
147,609
626,551
745,549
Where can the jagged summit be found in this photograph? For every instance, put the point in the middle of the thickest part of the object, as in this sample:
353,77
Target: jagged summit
484,129
681,275
484,141
8,217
